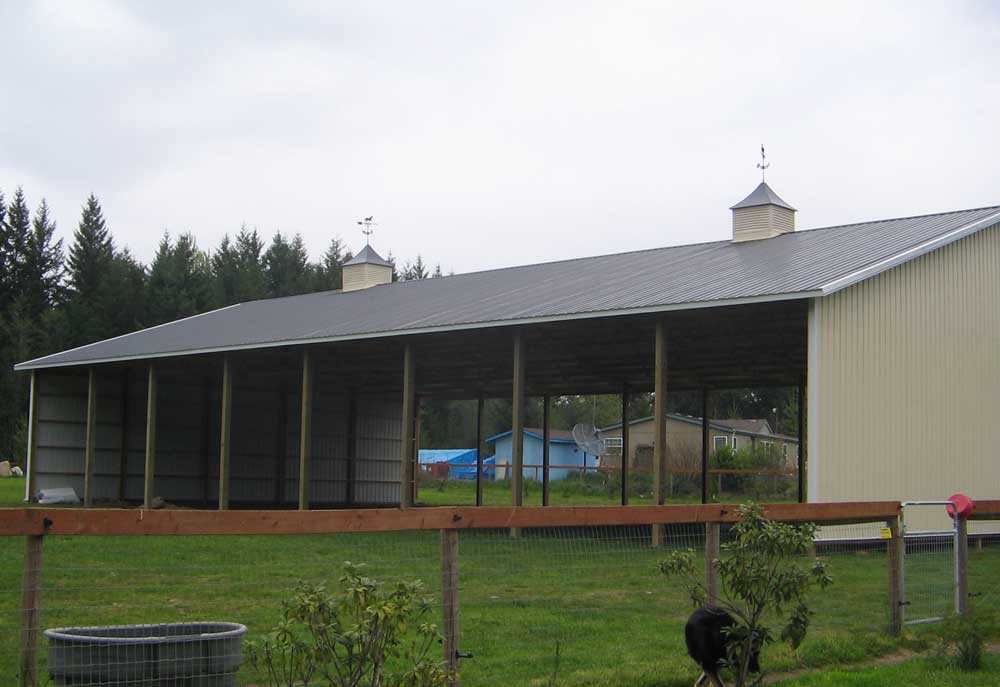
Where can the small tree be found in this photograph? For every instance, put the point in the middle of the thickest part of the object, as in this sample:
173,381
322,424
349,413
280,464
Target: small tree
760,580
362,635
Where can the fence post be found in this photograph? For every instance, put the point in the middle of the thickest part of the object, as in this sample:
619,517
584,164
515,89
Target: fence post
31,595
896,546
961,564
712,552
449,599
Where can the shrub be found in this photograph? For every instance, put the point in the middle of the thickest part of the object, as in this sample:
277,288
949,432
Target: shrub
360,635
760,579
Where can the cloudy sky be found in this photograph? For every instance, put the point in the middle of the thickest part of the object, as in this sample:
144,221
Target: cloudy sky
494,133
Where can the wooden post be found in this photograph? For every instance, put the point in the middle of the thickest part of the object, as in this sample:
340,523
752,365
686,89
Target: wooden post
281,443
546,449
705,445
206,444
660,422
802,439
91,437
449,599
31,596
517,422
31,458
409,409
416,449
479,450
352,446
225,424
124,439
626,398
896,551
305,429
712,553
961,565
149,470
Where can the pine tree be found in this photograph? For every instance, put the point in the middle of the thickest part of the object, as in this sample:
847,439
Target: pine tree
330,270
43,264
415,270
286,266
92,251
180,282
17,231
250,259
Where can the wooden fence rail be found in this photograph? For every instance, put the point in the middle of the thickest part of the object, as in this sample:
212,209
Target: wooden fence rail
37,523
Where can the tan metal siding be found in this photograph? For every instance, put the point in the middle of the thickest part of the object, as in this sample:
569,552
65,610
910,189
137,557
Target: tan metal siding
905,380
761,222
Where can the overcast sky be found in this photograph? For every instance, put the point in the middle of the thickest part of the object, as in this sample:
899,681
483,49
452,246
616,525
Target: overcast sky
496,133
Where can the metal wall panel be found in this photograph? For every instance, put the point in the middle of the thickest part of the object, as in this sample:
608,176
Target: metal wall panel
905,380
378,470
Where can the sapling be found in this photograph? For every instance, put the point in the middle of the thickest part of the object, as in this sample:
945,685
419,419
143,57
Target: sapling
763,584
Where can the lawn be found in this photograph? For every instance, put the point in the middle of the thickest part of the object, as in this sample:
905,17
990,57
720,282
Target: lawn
919,671
596,594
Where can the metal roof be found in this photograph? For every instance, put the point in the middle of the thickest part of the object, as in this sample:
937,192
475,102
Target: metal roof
762,195
368,255
796,265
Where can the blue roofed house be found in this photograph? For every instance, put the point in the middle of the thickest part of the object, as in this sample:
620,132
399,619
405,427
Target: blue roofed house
565,457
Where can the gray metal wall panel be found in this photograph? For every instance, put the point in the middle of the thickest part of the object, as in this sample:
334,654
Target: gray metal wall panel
378,469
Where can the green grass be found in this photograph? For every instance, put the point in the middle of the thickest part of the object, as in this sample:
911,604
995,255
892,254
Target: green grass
12,492
920,671
597,594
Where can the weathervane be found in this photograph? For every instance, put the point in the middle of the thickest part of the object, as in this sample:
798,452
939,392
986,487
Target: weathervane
368,223
763,164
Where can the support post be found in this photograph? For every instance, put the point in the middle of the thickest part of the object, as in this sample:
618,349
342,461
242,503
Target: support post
705,445
30,459
206,444
352,446
281,444
802,439
123,438
712,552
660,422
416,450
31,595
546,449
896,550
479,450
91,437
150,463
626,399
305,429
449,600
961,565
225,424
517,422
409,409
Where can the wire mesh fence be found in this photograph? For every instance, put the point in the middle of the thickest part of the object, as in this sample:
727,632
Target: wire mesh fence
587,604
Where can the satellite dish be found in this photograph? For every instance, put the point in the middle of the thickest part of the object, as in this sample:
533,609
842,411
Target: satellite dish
588,439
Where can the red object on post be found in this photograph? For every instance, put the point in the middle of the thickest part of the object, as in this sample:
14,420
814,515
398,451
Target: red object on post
961,506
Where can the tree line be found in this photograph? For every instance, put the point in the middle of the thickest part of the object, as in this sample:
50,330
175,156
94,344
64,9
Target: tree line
53,298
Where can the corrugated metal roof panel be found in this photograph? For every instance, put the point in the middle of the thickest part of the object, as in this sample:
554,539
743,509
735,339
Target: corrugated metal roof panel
791,265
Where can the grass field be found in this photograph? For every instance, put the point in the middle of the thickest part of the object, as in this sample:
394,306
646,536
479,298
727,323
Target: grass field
920,671
597,594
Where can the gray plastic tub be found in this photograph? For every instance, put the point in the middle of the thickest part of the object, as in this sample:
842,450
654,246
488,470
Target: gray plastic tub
204,654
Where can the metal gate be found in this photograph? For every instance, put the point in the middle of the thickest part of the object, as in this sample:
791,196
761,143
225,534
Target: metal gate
930,568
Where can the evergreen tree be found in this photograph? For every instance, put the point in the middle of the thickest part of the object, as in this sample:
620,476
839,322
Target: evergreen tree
43,264
437,271
250,259
286,265
330,271
92,251
180,281
415,270
15,246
